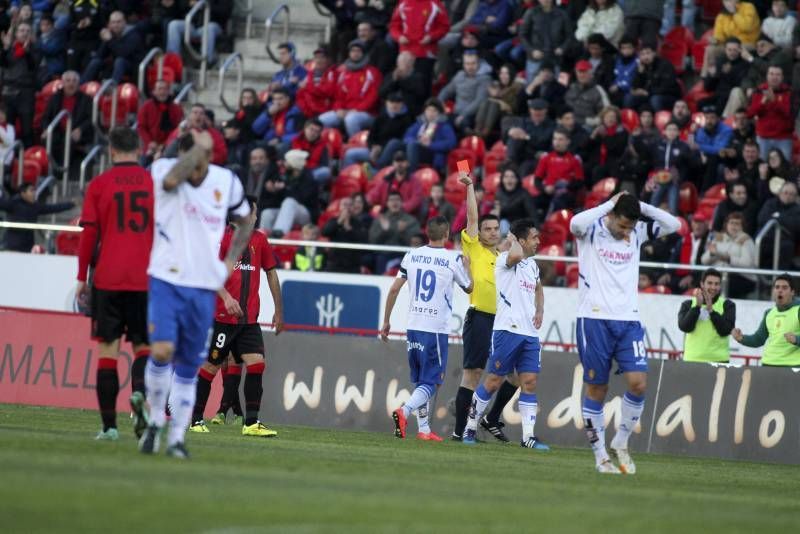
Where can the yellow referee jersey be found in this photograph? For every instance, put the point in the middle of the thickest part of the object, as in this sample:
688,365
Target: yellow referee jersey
481,268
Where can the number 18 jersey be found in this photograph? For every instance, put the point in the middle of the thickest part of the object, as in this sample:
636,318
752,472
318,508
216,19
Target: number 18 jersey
430,272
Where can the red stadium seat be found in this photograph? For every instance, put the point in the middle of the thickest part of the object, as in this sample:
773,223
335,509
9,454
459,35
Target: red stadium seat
449,106
330,212
630,119
52,87
263,96
492,162
560,217
31,171
680,34
699,119
128,96
572,274
491,182
454,191
90,89
716,192
688,198
39,155
335,143
427,177
552,234
606,186
106,106
352,179
696,94
498,148
661,119
658,289
529,183
594,199
675,53
459,154
358,139
476,145
174,62
707,207
381,174
555,250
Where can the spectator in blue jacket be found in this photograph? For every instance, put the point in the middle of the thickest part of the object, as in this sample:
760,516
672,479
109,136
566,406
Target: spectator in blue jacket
491,17
280,122
624,71
52,47
711,140
430,138
291,73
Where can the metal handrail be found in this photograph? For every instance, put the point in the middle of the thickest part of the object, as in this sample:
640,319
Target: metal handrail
20,148
97,150
98,127
248,24
776,245
185,90
151,55
235,58
329,16
268,25
67,147
187,37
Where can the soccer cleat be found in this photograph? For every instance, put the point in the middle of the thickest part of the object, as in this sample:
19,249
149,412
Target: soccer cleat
469,437
428,436
149,442
626,465
107,435
178,450
534,443
400,423
495,429
218,419
258,430
138,413
199,427
453,437
607,468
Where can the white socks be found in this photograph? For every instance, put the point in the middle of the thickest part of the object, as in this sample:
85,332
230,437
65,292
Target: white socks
419,397
422,418
527,409
632,407
157,378
595,427
480,400
182,397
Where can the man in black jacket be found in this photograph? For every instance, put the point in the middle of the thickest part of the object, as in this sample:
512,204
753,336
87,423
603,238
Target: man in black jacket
378,52
86,20
72,99
655,82
20,62
346,228
729,72
407,82
526,143
785,209
385,135
123,48
737,199
24,208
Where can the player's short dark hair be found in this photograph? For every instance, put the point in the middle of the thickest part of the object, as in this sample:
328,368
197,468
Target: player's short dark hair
562,131
730,185
315,121
487,217
438,228
628,207
24,187
282,91
393,194
198,105
734,40
124,139
787,278
710,272
522,227
185,142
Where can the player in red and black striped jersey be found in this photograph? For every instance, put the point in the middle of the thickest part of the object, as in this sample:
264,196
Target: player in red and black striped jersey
236,329
117,236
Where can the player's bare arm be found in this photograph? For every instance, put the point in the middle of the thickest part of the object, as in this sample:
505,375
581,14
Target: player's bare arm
472,204
277,299
582,221
184,168
231,305
515,252
465,261
240,239
538,318
391,298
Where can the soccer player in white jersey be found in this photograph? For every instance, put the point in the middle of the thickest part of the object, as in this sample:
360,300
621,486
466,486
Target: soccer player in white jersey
515,334
608,328
430,271
192,201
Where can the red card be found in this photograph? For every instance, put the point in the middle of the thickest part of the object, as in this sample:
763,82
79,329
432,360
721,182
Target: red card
463,166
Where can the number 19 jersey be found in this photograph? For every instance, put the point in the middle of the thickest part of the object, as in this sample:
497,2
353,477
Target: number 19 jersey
430,272
119,206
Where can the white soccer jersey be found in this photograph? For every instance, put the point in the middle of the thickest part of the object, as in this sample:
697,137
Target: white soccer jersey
608,284
516,295
190,222
430,272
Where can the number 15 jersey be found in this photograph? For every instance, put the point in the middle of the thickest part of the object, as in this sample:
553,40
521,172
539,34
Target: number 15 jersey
117,217
430,272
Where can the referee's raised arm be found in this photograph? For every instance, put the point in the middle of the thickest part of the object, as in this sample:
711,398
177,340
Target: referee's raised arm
472,204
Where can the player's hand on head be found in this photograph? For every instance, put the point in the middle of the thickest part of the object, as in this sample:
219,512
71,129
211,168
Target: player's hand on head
616,197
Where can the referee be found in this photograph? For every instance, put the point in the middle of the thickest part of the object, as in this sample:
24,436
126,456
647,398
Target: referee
479,242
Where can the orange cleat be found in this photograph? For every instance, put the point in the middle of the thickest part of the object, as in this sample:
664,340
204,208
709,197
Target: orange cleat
399,423
429,436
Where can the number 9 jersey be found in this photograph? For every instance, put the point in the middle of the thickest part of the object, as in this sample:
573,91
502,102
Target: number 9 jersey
430,272
117,220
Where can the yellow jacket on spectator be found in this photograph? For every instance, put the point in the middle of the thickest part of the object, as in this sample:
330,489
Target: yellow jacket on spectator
743,24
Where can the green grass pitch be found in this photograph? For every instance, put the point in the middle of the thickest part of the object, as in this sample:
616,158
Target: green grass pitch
55,478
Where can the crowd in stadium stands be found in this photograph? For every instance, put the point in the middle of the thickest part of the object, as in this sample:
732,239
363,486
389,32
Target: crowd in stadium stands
555,104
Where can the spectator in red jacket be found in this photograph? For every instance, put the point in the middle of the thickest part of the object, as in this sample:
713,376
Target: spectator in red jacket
401,182
316,92
356,98
198,121
157,117
417,26
771,105
310,140
559,175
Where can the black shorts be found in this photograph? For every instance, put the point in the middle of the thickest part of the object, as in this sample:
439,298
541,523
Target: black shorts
119,312
237,339
477,337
